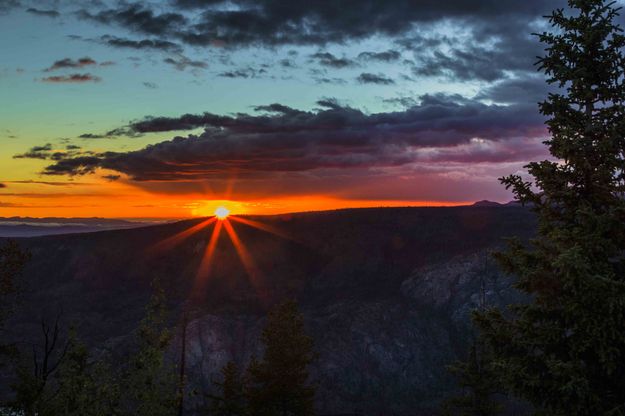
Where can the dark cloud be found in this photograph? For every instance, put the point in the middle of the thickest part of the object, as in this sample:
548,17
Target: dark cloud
287,63
41,12
386,56
326,80
153,44
92,136
36,152
46,152
242,73
329,60
380,79
272,22
73,78
494,41
182,62
531,89
401,101
71,63
282,139
111,178
2,185
150,85
474,62
138,19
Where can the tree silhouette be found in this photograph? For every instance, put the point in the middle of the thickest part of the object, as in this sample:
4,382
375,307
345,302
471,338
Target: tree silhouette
565,351
150,385
278,384
231,398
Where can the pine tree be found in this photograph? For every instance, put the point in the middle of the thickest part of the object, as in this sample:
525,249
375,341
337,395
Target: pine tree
231,398
278,384
565,351
150,382
479,383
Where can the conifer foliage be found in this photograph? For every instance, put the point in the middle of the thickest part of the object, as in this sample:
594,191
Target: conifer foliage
565,351
231,398
150,382
278,384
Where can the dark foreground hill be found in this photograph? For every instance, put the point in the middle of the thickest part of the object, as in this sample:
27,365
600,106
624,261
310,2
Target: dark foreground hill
386,293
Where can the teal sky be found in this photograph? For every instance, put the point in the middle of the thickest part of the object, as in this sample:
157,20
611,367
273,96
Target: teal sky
397,102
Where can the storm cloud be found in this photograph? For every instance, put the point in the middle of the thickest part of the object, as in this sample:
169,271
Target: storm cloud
281,139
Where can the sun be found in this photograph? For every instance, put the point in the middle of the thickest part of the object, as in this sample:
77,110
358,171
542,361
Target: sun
222,213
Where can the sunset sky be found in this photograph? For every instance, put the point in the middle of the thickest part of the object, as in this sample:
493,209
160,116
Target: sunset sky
169,109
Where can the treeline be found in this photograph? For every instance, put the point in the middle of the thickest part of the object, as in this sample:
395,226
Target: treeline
59,376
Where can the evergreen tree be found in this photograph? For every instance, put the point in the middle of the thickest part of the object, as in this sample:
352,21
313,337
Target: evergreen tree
150,382
565,351
479,383
278,384
231,400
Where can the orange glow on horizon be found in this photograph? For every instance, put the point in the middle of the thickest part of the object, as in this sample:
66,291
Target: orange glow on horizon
125,200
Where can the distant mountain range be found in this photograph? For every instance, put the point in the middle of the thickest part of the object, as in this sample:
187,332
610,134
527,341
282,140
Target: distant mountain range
486,203
32,227
386,294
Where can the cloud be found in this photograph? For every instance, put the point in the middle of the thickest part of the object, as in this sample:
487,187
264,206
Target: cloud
386,56
380,79
2,185
92,136
36,152
270,23
137,18
46,152
281,140
70,63
153,44
41,12
73,78
111,178
329,60
182,62
242,73
491,41
150,85
530,88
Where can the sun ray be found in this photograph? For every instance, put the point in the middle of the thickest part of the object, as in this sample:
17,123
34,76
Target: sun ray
246,258
264,227
201,277
176,239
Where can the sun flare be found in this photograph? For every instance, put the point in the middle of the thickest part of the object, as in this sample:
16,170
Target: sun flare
222,213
